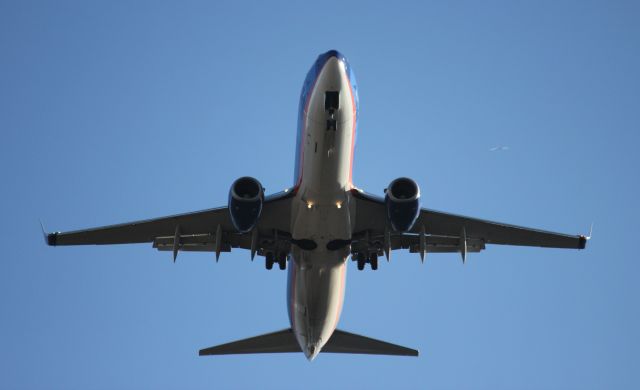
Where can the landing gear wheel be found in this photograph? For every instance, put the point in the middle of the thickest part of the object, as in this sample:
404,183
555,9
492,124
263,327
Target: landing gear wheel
361,261
269,261
374,261
282,261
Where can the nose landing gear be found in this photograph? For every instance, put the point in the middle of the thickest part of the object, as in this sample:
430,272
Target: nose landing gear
331,105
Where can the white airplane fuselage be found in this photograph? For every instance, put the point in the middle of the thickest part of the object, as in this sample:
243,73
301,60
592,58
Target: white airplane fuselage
321,212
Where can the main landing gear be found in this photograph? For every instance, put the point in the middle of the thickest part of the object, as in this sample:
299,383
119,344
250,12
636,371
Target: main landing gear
362,260
271,259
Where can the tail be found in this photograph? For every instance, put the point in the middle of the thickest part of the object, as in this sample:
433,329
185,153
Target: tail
285,341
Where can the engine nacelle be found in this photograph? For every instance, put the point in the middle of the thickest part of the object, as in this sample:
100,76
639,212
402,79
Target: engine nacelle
403,203
245,203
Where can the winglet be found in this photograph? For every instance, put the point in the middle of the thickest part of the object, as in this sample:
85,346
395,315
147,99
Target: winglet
582,243
49,238
44,233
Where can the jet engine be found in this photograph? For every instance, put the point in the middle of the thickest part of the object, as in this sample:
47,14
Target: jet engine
403,203
245,203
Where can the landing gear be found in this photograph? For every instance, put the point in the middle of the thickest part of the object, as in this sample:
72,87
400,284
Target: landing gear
282,261
269,260
362,261
331,105
374,261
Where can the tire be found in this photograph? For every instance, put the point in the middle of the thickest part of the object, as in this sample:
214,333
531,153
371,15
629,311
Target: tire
269,261
361,261
281,259
374,262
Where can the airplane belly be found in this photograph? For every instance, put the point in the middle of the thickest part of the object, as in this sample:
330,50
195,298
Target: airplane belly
327,157
320,211
316,294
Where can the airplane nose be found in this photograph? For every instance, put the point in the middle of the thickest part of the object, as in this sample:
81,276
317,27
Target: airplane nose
331,56
333,53
334,65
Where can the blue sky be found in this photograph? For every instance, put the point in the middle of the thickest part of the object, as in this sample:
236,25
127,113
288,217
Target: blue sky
117,111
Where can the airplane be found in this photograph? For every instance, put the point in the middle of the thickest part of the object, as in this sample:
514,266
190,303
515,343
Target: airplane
317,224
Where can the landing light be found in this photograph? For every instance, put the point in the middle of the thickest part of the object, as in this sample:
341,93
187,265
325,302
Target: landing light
339,205
309,205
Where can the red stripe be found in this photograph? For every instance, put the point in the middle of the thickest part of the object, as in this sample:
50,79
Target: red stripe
353,134
341,296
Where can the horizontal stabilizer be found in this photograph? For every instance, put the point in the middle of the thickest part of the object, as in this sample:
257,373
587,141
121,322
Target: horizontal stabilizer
281,341
285,341
345,342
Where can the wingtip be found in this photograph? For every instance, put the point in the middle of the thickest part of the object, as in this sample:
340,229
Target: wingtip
582,242
52,239
49,238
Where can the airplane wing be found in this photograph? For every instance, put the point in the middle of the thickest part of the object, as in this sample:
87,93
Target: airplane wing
444,232
206,230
